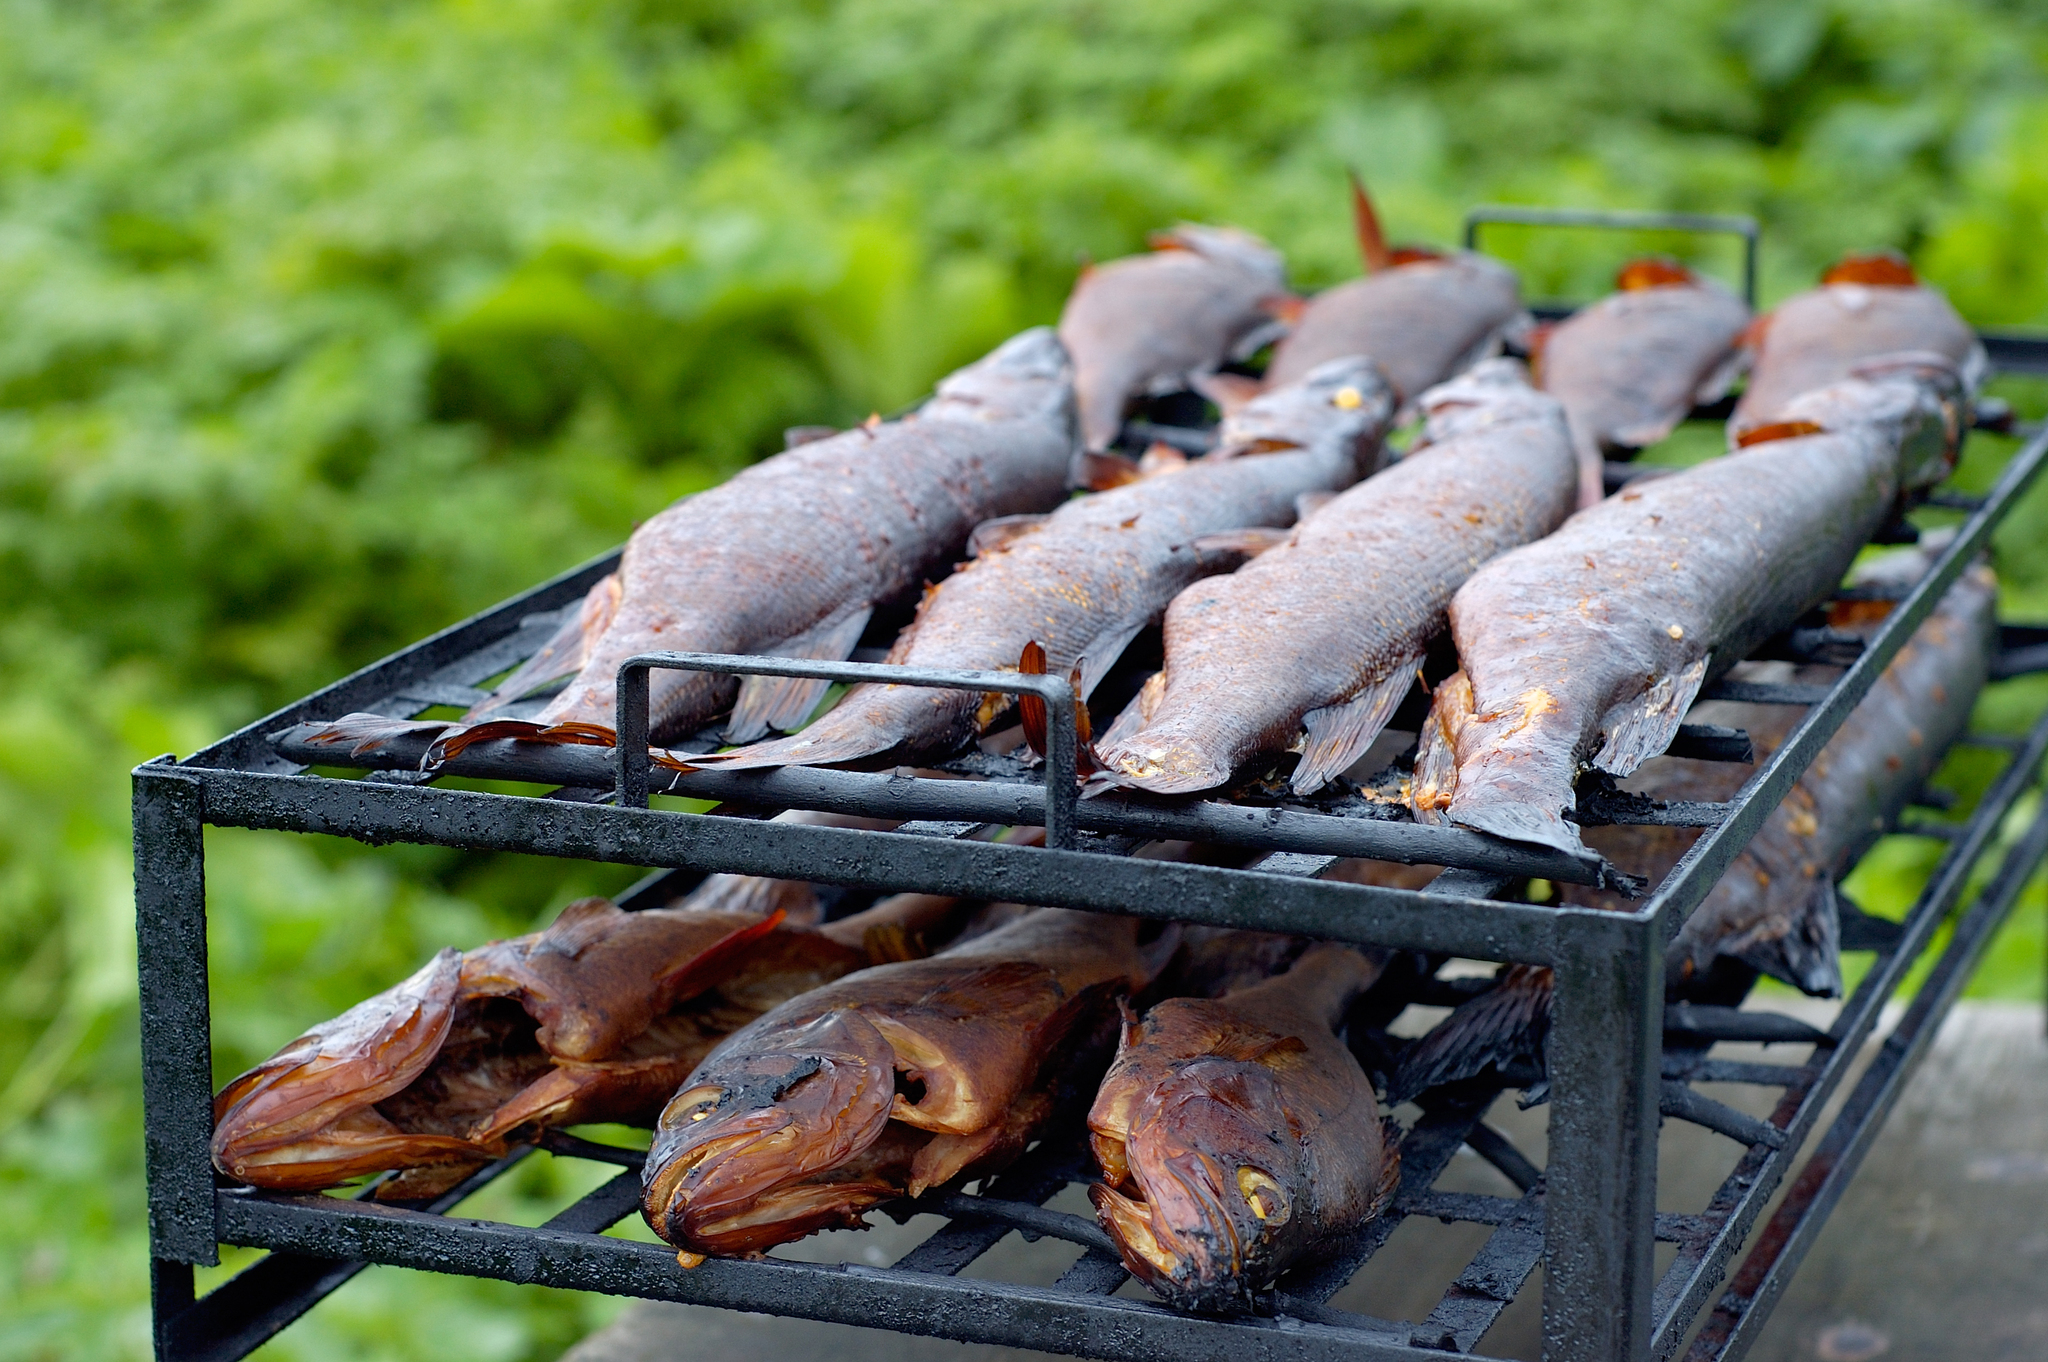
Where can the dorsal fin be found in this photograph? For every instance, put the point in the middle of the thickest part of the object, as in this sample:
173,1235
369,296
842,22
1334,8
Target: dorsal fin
1372,242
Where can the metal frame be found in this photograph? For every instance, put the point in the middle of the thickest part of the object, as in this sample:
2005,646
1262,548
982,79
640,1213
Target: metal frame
1729,224
1619,1060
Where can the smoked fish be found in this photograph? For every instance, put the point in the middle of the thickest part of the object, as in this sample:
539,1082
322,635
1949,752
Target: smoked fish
597,1017
1587,648
1866,306
1324,633
1238,1136
890,1081
791,556
1775,909
1083,581
1422,315
1147,323
1629,367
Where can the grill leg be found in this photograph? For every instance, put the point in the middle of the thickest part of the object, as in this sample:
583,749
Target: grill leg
177,1042
1605,1048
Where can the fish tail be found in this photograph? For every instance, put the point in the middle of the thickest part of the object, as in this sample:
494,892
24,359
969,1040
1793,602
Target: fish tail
576,733
1505,1024
1803,947
868,721
359,733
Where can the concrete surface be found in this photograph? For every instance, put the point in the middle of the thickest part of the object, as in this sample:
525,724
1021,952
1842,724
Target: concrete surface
1938,1252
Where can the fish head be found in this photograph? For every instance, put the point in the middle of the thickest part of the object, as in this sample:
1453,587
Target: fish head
775,1105
1216,1183
1028,377
1344,403
1489,393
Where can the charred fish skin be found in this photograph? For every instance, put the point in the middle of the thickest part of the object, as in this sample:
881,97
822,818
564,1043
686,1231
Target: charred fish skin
1146,320
1866,307
1086,579
890,1080
1587,648
1774,910
1775,907
1424,320
1237,1135
1630,367
1327,629
791,555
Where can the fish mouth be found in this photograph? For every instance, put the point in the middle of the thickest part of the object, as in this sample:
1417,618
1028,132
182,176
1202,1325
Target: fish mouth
754,1120
1202,1206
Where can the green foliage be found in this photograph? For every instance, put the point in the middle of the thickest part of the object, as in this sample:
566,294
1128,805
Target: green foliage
322,324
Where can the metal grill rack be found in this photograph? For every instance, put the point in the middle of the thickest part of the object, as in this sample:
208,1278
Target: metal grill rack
1619,1059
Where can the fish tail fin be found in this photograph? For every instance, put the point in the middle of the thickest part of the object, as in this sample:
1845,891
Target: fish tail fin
1372,242
563,655
1339,734
1436,762
868,721
1640,728
360,733
1505,1024
784,702
715,961
1031,710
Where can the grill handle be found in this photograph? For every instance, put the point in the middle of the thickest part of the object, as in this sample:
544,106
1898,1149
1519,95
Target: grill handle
1061,790
1615,220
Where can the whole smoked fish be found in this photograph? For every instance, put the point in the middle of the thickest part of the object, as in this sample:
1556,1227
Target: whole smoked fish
1084,580
598,1017
1324,633
790,557
1775,909
1422,315
889,1081
1148,322
1238,1135
1629,367
1587,648
1866,306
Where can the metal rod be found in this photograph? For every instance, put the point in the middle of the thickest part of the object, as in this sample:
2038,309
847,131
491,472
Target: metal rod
177,1028
1062,730
1618,220
1605,1061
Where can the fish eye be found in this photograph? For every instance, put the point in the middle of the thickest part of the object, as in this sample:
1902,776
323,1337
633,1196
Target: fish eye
696,1105
1262,1193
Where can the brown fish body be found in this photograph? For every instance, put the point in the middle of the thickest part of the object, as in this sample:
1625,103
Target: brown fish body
1588,647
1327,629
910,1073
1238,1135
1629,367
1820,337
1088,577
1423,322
1774,909
1135,324
586,1020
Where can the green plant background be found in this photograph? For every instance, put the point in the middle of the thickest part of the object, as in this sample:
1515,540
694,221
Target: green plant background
323,322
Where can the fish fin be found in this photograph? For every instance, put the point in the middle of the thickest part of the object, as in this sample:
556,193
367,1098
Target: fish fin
1372,242
1160,457
1228,391
714,963
784,702
361,733
1031,712
1339,734
1803,948
1436,762
1722,377
1102,653
1506,1023
806,435
574,733
1137,713
1285,311
563,655
1308,503
1640,728
1522,823
1229,549
577,927
1103,472
993,536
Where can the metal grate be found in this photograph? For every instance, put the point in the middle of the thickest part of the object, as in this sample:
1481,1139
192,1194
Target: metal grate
1619,1060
